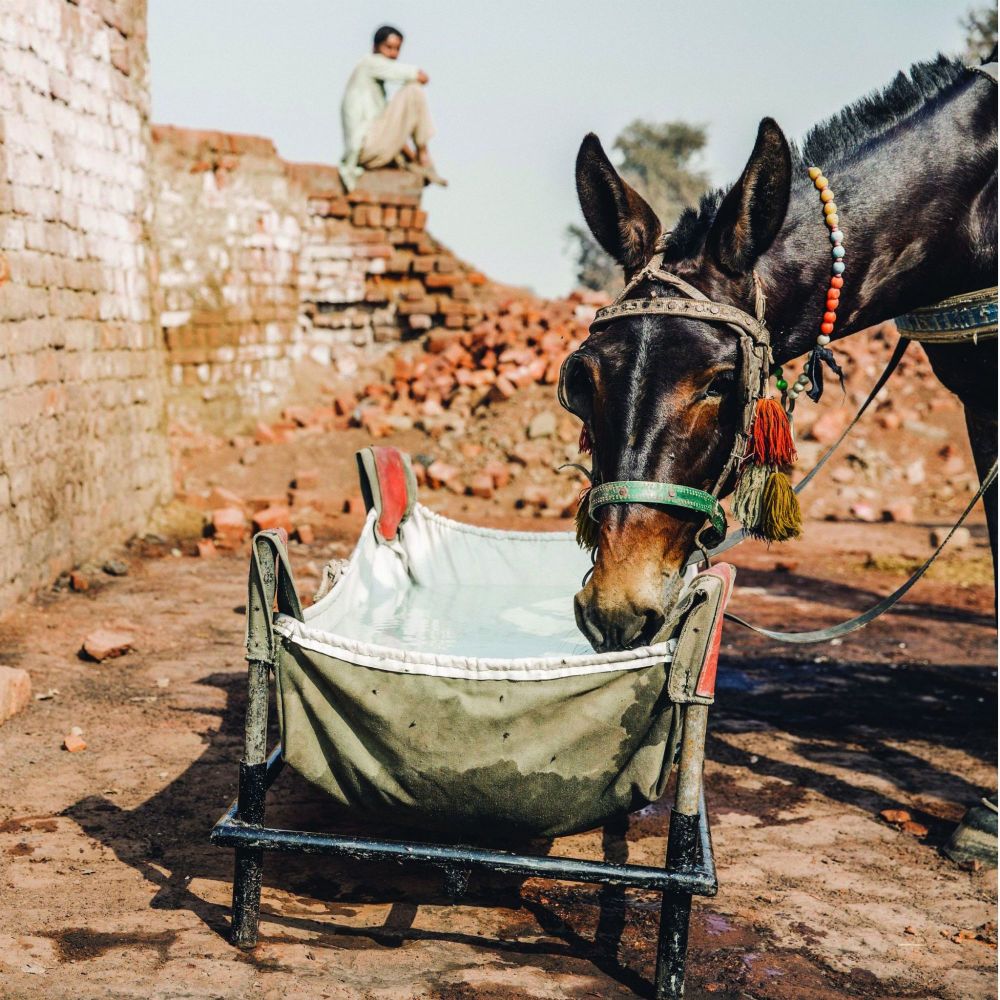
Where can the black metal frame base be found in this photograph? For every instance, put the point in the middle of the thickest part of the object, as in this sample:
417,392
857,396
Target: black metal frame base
689,869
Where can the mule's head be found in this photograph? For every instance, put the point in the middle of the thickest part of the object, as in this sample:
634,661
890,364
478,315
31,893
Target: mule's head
658,393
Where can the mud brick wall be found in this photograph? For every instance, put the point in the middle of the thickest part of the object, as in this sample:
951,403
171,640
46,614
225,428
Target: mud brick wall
227,232
83,456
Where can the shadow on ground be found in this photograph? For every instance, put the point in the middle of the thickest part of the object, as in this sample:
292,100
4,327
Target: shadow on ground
825,708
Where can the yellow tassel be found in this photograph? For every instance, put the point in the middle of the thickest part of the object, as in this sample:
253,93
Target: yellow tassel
587,529
780,514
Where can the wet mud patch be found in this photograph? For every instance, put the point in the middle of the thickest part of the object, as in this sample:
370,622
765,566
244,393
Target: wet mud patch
769,801
81,944
29,824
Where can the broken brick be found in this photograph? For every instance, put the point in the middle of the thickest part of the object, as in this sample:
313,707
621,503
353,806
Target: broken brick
106,644
15,691
275,517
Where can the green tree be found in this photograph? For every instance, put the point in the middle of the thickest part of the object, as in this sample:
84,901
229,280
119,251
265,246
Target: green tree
661,161
980,26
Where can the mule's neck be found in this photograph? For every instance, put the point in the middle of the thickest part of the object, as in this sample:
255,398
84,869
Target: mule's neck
917,207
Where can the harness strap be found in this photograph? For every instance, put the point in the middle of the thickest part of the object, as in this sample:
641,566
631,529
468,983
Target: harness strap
959,319
853,624
668,494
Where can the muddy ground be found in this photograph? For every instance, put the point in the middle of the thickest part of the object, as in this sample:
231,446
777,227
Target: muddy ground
110,888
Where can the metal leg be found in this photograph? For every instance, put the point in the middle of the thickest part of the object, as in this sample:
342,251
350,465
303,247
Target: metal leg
682,852
253,789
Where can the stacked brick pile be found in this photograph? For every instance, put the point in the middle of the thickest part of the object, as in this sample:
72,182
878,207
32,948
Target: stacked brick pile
514,343
369,270
83,458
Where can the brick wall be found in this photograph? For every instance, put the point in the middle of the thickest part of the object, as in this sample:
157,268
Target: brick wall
83,457
263,263
227,232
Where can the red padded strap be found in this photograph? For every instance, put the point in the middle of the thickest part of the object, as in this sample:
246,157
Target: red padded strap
706,681
392,489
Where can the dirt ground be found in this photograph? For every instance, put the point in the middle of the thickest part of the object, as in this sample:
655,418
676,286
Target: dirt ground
110,887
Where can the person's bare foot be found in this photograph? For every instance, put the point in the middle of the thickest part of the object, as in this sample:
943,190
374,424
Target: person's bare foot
428,170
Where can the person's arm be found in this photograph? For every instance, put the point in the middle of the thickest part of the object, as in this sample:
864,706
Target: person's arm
394,71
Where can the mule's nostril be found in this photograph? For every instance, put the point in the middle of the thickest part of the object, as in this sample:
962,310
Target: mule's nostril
585,623
653,624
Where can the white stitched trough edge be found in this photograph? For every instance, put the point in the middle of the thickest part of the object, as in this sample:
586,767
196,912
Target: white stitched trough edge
434,556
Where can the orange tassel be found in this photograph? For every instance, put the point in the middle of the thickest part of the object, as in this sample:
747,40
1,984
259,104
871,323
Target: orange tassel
586,447
772,442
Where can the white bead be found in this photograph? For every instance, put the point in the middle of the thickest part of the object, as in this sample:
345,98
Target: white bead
793,392
822,340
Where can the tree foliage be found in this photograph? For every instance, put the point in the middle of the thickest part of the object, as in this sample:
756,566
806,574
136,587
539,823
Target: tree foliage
662,162
980,26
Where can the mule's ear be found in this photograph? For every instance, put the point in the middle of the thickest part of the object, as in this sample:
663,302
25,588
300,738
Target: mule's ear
620,219
753,210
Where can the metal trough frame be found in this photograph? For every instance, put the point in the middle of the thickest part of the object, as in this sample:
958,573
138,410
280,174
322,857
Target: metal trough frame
689,869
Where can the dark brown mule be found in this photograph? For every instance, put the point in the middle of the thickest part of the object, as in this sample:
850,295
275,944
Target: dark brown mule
915,171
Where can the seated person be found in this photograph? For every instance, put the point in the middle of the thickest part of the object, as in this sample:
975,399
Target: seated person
378,131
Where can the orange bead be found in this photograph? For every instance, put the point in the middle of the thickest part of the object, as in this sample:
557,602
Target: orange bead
831,305
829,208
826,328
829,317
826,195
833,293
836,281
821,183
814,172
833,221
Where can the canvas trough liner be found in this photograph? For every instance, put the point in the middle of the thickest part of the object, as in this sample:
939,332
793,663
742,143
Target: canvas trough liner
443,682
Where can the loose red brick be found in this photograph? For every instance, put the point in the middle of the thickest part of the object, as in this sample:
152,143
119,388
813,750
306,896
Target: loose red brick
481,485
344,406
499,472
440,473
106,644
74,743
207,549
277,516
78,581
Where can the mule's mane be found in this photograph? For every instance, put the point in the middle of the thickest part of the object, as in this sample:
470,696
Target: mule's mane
843,133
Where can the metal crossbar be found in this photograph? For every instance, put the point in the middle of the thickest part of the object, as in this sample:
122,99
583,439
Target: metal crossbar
689,870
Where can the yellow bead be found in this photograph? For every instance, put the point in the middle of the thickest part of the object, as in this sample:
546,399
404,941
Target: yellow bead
832,221
826,196
814,172
821,183
829,208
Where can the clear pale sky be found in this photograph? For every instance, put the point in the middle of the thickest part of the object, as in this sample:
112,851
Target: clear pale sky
515,86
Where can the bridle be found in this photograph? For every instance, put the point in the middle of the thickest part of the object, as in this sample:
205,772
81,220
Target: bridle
755,355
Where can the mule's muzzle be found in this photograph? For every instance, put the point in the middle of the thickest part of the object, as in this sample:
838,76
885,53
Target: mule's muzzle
623,621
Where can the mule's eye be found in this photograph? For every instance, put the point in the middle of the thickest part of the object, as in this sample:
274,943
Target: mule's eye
721,385
576,387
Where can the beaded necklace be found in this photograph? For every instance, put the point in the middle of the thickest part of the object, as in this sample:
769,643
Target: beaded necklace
837,252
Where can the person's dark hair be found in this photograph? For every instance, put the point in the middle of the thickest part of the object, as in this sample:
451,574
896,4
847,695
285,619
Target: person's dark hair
386,32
